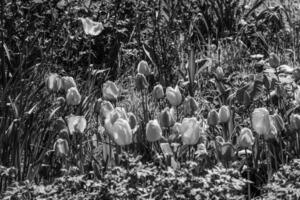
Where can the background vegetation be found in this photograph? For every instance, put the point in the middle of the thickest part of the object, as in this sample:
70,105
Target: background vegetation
185,43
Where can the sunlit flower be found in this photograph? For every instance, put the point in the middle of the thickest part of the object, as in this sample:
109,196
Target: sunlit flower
76,124
190,131
91,27
245,139
67,83
121,132
158,92
174,95
153,131
213,118
53,82
141,82
190,106
260,121
61,147
73,96
144,68
110,91
224,114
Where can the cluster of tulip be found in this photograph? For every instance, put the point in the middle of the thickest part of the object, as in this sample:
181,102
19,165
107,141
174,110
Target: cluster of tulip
55,83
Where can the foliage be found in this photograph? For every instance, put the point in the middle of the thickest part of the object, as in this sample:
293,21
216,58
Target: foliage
138,181
72,102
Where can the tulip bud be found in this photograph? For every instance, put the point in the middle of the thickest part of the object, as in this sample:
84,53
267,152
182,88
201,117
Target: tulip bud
246,99
104,108
173,96
296,74
143,68
61,100
220,139
295,121
273,133
190,131
141,82
54,82
76,124
190,106
132,120
158,92
260,121
61,147
121,132
219,73
226,153
213,118
297,96
153,131
166,119
176,128
110,91
246,139
278,122
274,60
91,27
73,96
224,114
67,83
201,151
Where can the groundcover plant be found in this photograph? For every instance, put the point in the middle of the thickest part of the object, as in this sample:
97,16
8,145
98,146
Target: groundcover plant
137,99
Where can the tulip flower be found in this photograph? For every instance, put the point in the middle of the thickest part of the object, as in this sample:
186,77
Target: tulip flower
220,139
219,73
110,91
295,121
153,131
260,121
224,114
278,122
166,119
121,132
190,131
113,116
76,124
190,106
67,83
158,92
103,107
54,82
176,128
213,118
296,74
141,82
245,139
297,96
61,147
73,96
143,68
173,95
274,60
132,121
90,27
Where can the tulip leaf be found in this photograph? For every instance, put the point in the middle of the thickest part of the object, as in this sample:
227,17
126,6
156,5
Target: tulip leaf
191,66
150,53
53,113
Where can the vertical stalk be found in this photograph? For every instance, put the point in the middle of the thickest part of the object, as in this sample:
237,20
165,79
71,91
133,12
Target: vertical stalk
2,47
248,176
